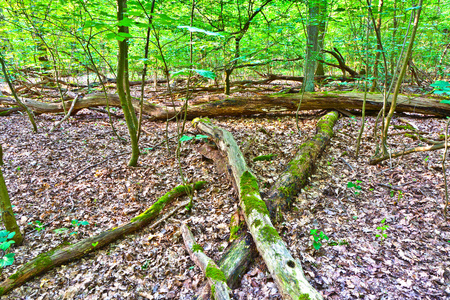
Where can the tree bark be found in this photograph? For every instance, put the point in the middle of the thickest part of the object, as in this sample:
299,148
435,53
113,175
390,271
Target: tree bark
67,252
286,271
257,104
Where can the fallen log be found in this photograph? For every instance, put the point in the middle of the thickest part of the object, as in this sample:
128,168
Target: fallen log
69,252
256,104
294,178
215,276
236,260
286,271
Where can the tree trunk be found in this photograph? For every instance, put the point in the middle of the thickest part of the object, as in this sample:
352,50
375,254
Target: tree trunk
9,220
123,86
286,271
311,46
67,252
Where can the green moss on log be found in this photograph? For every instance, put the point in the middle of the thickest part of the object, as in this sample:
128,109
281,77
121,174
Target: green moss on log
270,234
161,203
264,157
215,273
250,194
197,248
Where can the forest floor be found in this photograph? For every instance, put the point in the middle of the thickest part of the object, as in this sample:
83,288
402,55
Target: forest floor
411,262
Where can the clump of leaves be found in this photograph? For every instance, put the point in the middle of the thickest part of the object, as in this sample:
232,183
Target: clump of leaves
37,225
75,224
357,188
5,245
318,238
382,235
441,88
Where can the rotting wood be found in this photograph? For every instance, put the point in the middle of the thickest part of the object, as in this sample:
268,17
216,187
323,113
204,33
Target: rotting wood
295,177
215,276
69,252
237,252
376,160
286,271
256,104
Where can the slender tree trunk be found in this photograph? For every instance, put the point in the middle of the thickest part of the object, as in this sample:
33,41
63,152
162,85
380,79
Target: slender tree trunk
9,220
123,87
400,78
322,31
377,55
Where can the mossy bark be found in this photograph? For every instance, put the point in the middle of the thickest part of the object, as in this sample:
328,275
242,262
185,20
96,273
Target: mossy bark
65,253
295,177
286,271
215,276
256,104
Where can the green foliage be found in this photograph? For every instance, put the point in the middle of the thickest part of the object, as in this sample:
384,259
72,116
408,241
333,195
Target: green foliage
318,237
186,138
442,88
382,235
197,248
355,187
75,225
5,244
37,225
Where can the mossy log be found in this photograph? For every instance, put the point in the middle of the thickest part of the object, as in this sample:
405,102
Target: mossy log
236,261
69,252
295,177
256,104
215,276
286,271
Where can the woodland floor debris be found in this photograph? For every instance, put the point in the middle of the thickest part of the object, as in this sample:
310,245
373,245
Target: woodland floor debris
412,262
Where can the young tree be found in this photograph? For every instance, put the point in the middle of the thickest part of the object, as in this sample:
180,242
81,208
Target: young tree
9,220
123,84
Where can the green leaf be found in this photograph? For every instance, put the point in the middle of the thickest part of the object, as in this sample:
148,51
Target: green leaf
11,235
84,223
95,244
351,184
316,245
186,138
7,260
195,29
5,245
201,136
205,73
440,84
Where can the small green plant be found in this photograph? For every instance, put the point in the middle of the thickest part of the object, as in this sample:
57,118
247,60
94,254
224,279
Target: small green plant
426,159
5,245
38,226
382,229
75,224
186,138
264,157
357,188
95,244
318,237
442,88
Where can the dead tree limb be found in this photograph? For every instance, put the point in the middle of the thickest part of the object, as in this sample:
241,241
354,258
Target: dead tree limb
255,104
286,271
377,160
216,278
295,177
69,252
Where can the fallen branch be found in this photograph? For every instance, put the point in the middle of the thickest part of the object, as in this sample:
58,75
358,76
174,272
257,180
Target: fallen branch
67,252
74,102
295,177
213,273
377,160
286,271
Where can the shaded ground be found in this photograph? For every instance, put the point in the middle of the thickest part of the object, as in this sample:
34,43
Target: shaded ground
411,262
